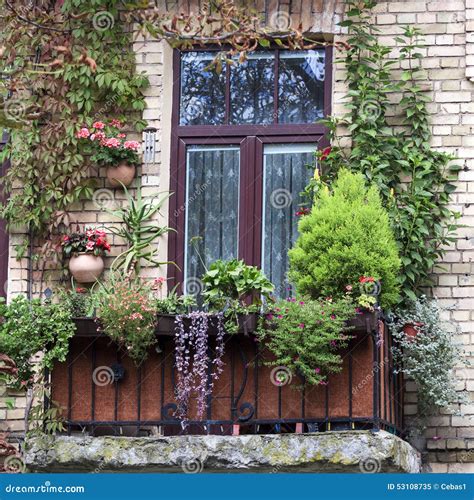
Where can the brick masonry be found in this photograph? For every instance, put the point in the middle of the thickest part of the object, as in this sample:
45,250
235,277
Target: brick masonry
449,64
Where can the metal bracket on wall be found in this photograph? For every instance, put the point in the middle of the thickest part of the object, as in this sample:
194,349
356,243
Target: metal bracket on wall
149,135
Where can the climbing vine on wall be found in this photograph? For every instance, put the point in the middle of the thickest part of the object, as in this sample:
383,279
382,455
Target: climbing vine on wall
61,69
415,180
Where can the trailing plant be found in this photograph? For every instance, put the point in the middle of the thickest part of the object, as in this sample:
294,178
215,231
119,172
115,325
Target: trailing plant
90,240
346,238
139,230
29,327
196,371
306,336
415,181
107,145
126,313
430,358
62,68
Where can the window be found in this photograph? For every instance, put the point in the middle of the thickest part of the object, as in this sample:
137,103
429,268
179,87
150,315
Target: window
243,140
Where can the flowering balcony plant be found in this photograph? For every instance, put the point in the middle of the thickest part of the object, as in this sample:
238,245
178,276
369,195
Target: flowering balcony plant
85,250
109,147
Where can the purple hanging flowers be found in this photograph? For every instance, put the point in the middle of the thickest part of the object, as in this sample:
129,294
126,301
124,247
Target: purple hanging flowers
199,373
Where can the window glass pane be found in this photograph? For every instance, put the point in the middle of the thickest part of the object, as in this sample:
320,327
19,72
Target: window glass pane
252,90
212,208
286,174
202,91
301,86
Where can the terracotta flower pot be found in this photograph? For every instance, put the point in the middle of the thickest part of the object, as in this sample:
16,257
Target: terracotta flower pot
122,173
85,267
411,330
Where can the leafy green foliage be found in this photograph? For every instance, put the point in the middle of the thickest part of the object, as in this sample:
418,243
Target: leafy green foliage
30,327
175,304
430,358
80,73
138,230
234,281
306,336
346,236
127,314
415,182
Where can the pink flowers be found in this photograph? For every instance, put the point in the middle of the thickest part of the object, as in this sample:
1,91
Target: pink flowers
116,123
136,315
134,145
301,325
111,143
99,125
83,133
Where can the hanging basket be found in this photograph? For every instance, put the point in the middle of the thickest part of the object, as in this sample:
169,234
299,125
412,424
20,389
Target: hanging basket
86,268
121,174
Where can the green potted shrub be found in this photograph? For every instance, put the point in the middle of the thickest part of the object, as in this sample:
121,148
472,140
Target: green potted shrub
346,245
237,289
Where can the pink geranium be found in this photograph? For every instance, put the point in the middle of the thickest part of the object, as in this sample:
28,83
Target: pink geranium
98,125
83,133
134,145
113,142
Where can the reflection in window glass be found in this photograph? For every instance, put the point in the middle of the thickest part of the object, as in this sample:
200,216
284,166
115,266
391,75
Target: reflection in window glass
301,86
212,208
252,90
286,174
202,90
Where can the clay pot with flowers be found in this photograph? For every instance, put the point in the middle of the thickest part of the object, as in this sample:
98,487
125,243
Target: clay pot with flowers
85,251
109,147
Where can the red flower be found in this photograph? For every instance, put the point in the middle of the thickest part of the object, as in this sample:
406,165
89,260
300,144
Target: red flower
302,211
366,279
325,153
80,290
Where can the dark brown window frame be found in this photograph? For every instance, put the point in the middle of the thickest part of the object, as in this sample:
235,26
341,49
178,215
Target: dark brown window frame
251,139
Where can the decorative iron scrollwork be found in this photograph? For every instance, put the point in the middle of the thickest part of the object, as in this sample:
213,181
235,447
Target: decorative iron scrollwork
246,412
168,411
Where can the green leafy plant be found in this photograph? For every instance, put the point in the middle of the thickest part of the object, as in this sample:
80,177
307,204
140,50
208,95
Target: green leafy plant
139,231
234,281
107,145
127,314
236,289
430,358
175,304
415,181
29,327
306,336
345,238
80,301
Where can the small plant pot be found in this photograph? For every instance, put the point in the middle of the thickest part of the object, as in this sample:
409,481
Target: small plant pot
123,173
86,268
411,330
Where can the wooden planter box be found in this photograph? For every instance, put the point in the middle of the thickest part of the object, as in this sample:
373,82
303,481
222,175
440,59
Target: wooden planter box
365,394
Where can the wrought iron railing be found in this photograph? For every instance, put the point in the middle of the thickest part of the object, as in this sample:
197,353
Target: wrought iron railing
247,398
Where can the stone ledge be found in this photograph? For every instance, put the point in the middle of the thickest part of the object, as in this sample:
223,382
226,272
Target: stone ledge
345,451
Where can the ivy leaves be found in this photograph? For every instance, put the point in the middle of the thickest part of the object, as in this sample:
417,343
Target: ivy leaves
415,181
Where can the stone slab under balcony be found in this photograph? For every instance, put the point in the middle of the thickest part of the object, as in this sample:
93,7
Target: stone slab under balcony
338,451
